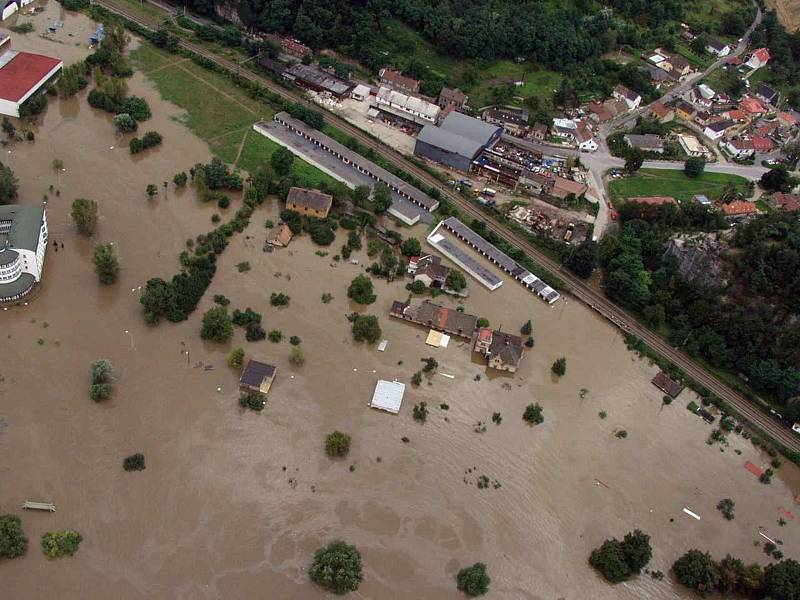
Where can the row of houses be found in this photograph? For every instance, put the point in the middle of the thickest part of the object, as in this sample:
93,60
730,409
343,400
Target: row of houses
503,351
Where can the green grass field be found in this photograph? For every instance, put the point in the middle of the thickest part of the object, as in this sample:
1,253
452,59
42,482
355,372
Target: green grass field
662,182
216,111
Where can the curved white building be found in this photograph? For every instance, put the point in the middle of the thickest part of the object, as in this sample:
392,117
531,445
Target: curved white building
23,244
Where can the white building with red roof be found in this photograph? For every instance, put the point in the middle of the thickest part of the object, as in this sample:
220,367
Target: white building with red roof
22,74
758,58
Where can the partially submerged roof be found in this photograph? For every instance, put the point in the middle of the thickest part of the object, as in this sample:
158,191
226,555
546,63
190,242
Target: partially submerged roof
256,373
388,396
313,199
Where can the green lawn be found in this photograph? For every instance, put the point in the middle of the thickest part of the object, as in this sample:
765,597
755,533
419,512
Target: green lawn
663,182
258,149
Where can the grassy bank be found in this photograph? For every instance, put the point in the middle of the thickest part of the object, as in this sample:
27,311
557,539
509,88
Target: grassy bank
665,182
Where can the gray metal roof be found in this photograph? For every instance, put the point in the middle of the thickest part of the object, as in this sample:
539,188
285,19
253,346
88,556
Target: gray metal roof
19,286
449,141
469,127
26,223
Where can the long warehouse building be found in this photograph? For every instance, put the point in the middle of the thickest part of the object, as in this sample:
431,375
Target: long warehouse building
491,253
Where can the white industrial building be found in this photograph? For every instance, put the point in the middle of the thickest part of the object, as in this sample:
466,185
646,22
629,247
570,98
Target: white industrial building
21,75
407,107
23,244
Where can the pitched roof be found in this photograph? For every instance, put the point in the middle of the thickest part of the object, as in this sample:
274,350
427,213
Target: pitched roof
762,54
737,115
26,224
507,115
255,372
506,347
720,125
734,60
788,202
603,113
454,95
23,72
311,199
766,92
648,140
716,44
469,127
626,92
685,107
431,266
762,144
660,109
739,207
678,62
394,78
751,105
787,118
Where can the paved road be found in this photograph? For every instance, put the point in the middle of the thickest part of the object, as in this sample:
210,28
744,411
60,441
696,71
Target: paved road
758,419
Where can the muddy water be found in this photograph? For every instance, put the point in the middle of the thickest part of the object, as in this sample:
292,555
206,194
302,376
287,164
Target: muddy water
215,515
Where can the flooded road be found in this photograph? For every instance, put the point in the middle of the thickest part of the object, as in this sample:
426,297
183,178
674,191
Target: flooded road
233,504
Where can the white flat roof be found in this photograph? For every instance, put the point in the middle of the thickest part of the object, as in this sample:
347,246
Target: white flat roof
388,396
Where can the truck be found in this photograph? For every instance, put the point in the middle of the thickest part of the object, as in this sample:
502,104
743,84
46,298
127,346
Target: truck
489,192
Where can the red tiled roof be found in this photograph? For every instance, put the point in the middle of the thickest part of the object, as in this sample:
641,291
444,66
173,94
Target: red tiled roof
734,60
787,118
786,202
762,54
739,207
23,73
751,105
761,143
737,115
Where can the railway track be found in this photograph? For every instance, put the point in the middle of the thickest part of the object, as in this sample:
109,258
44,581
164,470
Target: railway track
757,418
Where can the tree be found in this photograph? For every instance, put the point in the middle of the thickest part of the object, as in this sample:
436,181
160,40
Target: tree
634,160
777,180
136,107
609,559
217,325
731,571
361,290
13,542
252,400
236,358
782,580
474,580
420,411
134,462
8,184
583,259
366,328
697,570
151,190
322,234
430,364
84,213
455,281
337,568
361,195
533,414
282,160
418,287
694,166
411,247
106,264
59,543
337,444
726,507
180,179
560,366
637,551
527,328
381,198
482,322
698,44
125,123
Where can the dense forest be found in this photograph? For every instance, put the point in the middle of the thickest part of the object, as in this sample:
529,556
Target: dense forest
557,35
750,327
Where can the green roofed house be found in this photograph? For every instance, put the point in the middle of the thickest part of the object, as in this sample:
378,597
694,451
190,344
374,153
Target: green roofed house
23,243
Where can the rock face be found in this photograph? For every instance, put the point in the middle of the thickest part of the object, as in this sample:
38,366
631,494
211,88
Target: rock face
700,258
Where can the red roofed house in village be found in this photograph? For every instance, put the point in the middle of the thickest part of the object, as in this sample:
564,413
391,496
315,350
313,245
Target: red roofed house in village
21,75
758,58
786,119
787,202
739,209
398,81
739,116
662,112
752,106
734,61
762,144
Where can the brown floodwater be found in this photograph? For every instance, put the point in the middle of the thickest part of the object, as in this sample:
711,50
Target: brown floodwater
233,504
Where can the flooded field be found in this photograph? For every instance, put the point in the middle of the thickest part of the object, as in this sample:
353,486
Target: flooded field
233,504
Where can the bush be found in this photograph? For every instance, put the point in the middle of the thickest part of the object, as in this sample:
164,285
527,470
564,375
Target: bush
618,561
322,234
134,462
13,542
279,299
533,414
236,358
361,290
294,340
337,444
527,328
411,247
252,400
560,366
726,506
217,325
418,287
474,580
136,107
455,281
246,317
59,543
125,123
482,322
366,328
420,412
101,391
101,388
337,568
180,179
276,335
254,332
